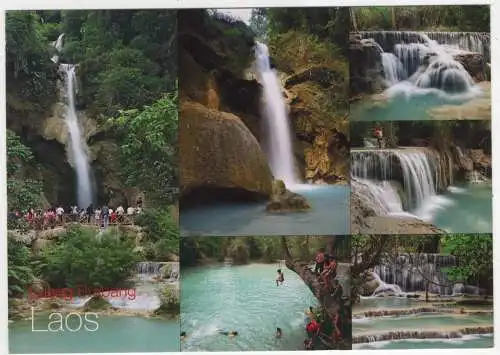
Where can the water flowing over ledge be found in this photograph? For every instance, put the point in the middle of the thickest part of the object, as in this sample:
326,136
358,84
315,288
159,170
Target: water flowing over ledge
432,334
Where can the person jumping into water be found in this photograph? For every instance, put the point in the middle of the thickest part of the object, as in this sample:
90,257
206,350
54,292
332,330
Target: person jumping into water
379,136
280,279
279,333
183,335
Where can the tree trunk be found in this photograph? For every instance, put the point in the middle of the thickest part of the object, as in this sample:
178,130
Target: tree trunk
393,15
353,20
322,294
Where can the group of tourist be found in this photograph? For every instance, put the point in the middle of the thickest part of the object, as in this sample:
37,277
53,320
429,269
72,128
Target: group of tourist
101,216
326,271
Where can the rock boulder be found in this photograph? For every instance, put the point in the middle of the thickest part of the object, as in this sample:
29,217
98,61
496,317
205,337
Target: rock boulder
219,152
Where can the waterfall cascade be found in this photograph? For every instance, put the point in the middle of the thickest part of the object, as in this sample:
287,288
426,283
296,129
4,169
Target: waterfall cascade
416,169
154,268
423,62
411,272
280,148
78,146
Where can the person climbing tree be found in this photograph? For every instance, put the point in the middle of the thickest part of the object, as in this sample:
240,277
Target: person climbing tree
320,262
379,136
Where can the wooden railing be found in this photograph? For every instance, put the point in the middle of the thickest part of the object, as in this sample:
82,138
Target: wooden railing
41,223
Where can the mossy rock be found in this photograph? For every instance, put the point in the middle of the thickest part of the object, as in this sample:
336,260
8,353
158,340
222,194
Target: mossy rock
97,303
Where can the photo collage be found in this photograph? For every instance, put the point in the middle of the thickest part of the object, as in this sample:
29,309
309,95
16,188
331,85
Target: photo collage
265,179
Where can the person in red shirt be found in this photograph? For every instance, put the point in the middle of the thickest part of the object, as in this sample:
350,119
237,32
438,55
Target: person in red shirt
113,217
313,328
379,136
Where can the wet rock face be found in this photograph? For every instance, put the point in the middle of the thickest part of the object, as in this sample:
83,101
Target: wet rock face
366,71
474,63
284,200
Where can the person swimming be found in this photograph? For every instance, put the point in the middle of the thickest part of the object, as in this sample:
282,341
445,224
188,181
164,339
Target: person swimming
280,279
232,333
279,332
310,312
183,335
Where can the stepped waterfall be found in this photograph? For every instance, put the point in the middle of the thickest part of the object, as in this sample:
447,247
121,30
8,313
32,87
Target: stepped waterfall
419,63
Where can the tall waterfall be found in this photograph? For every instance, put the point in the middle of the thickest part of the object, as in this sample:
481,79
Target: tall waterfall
411,273
77,141
423,62
280,149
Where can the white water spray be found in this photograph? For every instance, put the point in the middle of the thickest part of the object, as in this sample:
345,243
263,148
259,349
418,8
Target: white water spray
77,142
280,150
415,64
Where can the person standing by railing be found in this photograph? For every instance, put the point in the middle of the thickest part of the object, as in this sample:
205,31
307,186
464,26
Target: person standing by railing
105,216
60,214
120,212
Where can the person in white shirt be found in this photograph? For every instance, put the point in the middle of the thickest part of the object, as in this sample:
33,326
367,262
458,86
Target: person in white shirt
120,210
59,213
138,210
130,211
97,214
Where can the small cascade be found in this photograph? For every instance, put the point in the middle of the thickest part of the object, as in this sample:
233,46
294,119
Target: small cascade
393,69
58,44
278,130
420,334
412,272
416,169
478,42
155,269
415,63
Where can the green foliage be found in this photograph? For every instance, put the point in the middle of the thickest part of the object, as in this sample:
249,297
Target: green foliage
161,234
127,58
265,249
170,302
474,253
23,192
434,18
328,24
30,74
259,23
19,266
149,148
80,258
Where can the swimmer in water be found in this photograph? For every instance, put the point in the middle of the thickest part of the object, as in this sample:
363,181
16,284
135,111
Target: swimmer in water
281,278
183,335
279,332
229,334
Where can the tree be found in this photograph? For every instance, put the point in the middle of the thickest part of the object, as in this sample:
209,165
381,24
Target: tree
24,192
259,23
474,254
148,141
81,259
